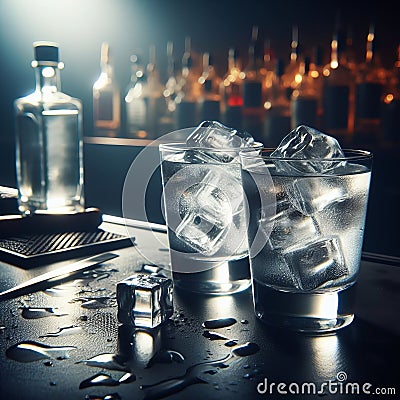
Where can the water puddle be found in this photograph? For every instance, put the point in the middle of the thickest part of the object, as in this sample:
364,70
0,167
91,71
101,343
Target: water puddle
193,374
109,361
36,312
29,351
166,357
65,331
219,323
214,335
110,396
98,380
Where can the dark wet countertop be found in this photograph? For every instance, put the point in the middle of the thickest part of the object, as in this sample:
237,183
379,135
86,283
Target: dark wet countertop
77,321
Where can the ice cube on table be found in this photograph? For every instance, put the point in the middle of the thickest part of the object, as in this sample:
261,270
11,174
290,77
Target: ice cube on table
144,300
214,135
310,145
315,263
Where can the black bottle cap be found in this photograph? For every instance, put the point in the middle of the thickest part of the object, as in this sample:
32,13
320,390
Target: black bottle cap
46,51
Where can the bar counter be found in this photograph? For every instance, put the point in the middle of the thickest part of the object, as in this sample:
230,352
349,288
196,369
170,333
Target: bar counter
104,359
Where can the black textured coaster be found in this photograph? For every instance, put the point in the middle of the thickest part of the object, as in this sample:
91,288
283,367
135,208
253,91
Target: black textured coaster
32,250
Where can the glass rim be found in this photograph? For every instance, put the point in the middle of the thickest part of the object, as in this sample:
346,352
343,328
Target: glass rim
176,146
350,155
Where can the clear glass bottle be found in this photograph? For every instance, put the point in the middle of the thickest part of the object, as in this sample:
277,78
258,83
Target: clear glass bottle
304,100
188,92
210,98
370,83
106,97
338,93
231,91
135,101
49,158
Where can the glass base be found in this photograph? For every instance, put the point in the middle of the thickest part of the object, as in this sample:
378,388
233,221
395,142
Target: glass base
226,278
304,312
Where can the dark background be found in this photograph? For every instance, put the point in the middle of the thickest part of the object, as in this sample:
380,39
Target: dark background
132,25
129,25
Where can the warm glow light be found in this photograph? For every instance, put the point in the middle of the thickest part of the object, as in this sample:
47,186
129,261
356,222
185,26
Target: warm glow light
298,78
314,74
388,98
242,75
267,105
326,72
334,64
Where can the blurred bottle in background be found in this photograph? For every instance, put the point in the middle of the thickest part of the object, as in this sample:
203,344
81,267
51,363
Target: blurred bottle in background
390,106
370,82
135,100
338,92
253,107
231,92
49,144
292,68
167,119
316,72
304,99
106,98
277,106
188,91
209,103
154,98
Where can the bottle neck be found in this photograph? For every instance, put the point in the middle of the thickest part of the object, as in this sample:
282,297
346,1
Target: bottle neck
47,79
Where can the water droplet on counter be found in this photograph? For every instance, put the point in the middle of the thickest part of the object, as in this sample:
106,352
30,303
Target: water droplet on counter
244,321
29,351
231,343
166,357
2,328
63,290
36,312
214,335
219,323
53,383
210,371
68,330
150,268
107,361
83,317
48,363
246,349
110,396
98,380
127,378
95,302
